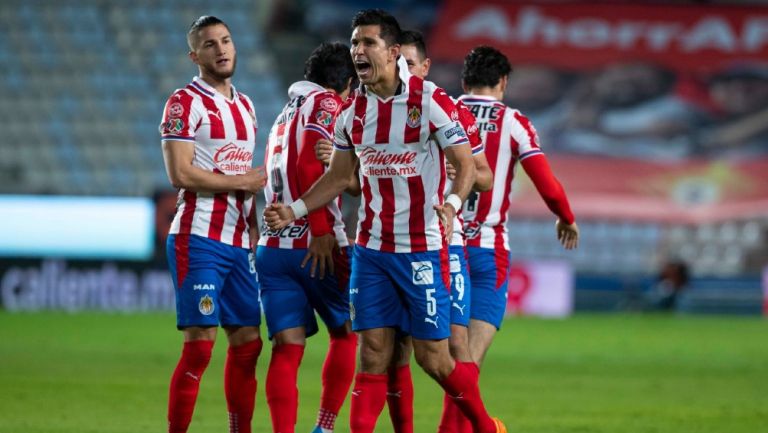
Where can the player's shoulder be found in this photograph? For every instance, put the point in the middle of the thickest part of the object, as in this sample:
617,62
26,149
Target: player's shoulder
326,100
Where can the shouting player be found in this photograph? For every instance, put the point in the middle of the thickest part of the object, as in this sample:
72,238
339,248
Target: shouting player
208,136
401,129
304,265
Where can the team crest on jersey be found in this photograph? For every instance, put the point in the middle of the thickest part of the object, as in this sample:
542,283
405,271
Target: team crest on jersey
414,117
206,305
175,110
324,118
329,104
454,115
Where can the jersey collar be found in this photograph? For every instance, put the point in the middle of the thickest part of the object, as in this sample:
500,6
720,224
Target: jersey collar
202,86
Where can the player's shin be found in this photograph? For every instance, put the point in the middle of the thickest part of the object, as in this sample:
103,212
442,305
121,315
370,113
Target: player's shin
462,386
282,394
338,373
185,384
240,384
400,398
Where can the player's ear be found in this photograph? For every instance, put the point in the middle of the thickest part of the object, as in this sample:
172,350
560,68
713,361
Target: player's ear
192,56
394,51
503,83
427,64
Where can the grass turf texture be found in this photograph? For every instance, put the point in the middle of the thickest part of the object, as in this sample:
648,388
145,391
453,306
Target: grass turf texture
614,373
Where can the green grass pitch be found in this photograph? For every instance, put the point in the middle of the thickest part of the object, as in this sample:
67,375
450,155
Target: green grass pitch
62,373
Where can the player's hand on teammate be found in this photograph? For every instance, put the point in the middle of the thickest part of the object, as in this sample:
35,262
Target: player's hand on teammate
446,212
450,170
255,179
320,252
567,234
323,150
278,215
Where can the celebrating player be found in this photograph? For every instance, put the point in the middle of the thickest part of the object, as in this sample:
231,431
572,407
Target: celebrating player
304,265
208,136
509,138
401,129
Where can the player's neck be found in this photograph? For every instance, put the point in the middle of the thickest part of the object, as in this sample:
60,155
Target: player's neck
387,87
222,86
493,92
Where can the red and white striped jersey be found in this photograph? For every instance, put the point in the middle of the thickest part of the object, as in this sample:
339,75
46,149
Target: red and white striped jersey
473,134
399,142
508,137
224,133
310,114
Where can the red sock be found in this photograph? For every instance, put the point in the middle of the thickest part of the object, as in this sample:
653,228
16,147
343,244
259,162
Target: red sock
338,373
462,386
400,399
282,394
185,383
368,398
240,384
453,419
449,419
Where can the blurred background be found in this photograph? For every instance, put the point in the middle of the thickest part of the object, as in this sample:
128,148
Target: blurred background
654,116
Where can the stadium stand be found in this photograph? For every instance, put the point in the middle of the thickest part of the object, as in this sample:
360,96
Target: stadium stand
83,100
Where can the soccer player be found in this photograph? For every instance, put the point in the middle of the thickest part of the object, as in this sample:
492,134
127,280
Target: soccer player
304,266
401,128
208,136
400,387
509,138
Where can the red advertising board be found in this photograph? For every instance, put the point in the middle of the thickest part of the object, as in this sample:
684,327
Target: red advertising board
585,35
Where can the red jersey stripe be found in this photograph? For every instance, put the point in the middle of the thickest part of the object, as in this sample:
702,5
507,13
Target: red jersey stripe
493,141
217,215
383,122
358,122
214,115
416,219
387,216
240,225
242,134
364,234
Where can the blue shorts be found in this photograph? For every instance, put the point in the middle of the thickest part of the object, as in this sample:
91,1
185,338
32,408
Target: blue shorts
461,288
216,283
291,296
489,272
401,290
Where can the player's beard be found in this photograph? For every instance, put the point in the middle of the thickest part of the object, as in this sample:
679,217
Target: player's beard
222,75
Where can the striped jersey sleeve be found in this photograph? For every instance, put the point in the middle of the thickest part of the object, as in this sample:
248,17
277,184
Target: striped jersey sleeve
181,117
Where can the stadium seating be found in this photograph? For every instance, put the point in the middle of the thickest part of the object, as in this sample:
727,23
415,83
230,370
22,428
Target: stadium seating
81,102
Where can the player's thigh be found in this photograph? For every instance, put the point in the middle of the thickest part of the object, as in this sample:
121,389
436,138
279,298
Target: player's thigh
374,301
330,296
240,304
419,276
198,268
488,270
283,294
461,287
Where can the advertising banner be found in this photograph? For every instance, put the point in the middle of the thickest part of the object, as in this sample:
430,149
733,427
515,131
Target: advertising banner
54,284
542,289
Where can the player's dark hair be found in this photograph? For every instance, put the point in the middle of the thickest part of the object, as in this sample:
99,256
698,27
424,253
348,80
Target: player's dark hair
330,66
484,66
415,38
388,25
200,23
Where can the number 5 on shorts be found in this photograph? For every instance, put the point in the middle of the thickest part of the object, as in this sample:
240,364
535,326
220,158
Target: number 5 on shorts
431,302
